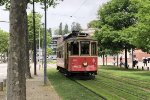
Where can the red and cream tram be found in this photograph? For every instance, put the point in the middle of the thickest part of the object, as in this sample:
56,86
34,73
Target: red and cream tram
77,53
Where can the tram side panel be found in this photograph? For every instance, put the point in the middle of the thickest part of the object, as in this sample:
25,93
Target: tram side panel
60,57
83,64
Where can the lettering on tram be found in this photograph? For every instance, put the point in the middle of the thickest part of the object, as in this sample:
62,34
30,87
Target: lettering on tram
77,54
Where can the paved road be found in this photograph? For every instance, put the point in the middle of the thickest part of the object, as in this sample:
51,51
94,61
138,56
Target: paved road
3,72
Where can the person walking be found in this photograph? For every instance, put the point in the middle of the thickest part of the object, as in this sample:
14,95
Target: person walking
121,63
145,61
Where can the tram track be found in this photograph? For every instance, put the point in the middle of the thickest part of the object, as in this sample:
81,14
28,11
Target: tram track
107,87
102,97
144,85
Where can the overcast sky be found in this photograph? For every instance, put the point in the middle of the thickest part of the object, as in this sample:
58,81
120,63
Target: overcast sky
68,11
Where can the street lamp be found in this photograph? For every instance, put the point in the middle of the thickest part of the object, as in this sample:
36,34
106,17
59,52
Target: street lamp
34,39
39,50
45,56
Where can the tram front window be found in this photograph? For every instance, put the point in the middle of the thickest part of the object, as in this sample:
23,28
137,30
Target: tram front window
85,47
74,48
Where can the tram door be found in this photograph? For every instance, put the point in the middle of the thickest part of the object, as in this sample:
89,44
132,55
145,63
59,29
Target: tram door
67,55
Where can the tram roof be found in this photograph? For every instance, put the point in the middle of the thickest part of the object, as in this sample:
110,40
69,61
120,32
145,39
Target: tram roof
75,34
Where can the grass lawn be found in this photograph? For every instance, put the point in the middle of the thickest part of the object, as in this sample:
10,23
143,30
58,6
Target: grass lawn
117,83
68,89
113,83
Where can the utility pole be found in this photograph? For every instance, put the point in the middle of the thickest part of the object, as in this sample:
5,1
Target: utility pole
45,56
34,39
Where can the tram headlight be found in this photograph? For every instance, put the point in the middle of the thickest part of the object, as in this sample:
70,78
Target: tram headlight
85,64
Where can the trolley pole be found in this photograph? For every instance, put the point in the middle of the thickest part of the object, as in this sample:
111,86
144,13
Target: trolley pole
34,39
45,56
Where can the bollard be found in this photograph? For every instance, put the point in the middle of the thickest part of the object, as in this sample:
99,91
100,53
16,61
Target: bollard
4,82
142,68
147,68
137,67
1,86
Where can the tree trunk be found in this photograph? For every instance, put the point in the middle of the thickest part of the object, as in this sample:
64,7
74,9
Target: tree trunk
117,59
126,62
16,82
28,73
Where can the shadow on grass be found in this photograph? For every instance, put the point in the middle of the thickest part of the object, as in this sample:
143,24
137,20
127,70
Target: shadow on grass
146,73
110,67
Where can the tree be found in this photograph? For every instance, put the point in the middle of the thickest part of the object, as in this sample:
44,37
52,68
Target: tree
76,27
116,17
49,51
66,30
142,37
39,28
16,82
3,44
56,32
94,24
60,29
16,89
50,32
3,41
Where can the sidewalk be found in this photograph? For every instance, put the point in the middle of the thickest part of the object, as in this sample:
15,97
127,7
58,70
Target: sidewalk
37,91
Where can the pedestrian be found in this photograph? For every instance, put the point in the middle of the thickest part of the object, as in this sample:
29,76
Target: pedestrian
114,60
121,63
135,61
145,61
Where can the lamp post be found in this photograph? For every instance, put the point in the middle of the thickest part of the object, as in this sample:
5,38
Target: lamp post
39,50
34,39
45,56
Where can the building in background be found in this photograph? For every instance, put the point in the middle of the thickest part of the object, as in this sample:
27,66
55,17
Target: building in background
53,46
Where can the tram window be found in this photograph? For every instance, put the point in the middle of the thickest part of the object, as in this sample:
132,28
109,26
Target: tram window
93,48
74,47
85,47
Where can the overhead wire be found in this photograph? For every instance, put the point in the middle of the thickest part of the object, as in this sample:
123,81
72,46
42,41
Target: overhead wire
79,7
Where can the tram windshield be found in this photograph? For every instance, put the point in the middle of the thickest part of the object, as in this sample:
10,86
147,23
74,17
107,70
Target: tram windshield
74,48
85,47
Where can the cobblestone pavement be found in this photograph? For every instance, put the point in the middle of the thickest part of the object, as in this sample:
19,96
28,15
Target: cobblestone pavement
2,95
36,89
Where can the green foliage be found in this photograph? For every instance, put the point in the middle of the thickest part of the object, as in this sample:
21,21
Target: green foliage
50,32
66,30
94,24
60,29
56,32
49,51
116,18
4,38
50,3
76,27
39,29
142,29
123,23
